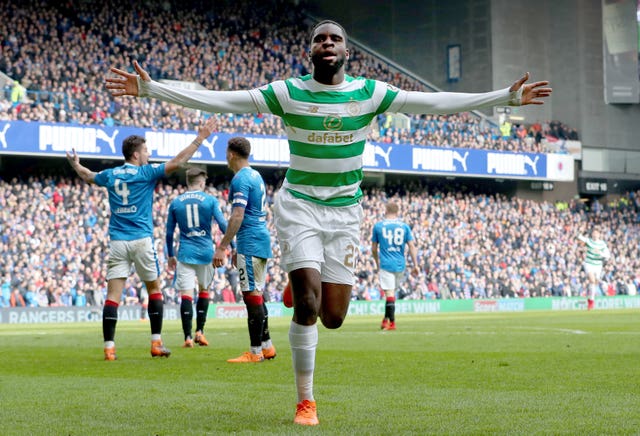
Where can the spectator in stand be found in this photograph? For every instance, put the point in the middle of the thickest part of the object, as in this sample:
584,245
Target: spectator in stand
16,299
234,58
5,291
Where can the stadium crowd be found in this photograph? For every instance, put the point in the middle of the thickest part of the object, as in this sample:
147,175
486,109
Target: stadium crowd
58,55
53,240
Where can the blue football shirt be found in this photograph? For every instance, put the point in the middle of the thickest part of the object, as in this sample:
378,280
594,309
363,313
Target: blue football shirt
130,189
192,212
247,190
391,236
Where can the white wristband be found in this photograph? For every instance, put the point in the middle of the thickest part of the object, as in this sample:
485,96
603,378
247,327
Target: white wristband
515,97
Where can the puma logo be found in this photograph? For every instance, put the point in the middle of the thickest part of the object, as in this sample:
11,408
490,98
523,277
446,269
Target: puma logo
462,159
111,140
532,163
379,151
209,145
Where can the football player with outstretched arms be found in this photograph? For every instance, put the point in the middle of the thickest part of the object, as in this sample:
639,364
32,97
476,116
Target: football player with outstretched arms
317,212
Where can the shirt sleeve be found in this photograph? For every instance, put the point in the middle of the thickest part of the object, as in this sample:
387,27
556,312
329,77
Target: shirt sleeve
239,193
153,172
101,178
409,233
374,234
414,102
237,102
219,218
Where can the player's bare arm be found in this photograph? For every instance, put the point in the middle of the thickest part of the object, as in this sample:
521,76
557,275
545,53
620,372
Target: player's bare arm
374,253
83,172
413,252
183,157
235,221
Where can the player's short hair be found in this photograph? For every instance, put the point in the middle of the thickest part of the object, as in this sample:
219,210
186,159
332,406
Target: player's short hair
313,30
131,144
392,207
240,145
193,173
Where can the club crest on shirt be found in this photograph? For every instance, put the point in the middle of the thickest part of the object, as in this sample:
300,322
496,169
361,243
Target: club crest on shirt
332,122
353,108
285,247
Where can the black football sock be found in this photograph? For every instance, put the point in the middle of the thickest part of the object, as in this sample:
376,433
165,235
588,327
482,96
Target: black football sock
265,329
109,320
255,321
186,315
390,309
202,309
155,310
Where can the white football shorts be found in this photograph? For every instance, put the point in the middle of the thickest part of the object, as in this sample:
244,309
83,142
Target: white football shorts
390,281
187,273
592,269
315,236
139,252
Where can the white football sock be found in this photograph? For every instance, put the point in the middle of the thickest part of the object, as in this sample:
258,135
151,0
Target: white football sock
304,341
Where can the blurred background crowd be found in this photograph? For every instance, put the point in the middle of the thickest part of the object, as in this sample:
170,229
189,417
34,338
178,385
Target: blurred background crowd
58,54
53,229
53,240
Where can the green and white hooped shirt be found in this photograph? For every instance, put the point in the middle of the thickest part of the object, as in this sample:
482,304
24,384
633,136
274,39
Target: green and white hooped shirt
597,251
327,126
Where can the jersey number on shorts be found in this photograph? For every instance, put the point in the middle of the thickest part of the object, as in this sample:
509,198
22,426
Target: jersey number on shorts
350,257
122,190
193,217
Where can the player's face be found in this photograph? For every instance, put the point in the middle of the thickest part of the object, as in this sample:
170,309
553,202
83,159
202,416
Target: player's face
328,48
229,158
143,155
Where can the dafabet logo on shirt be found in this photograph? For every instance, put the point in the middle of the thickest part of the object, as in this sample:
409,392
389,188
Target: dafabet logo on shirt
330,138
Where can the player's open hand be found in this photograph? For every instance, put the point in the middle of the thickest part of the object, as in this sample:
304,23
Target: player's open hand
126,83
207,128
531,93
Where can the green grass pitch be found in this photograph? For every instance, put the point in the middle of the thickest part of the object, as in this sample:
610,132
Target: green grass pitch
532,373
